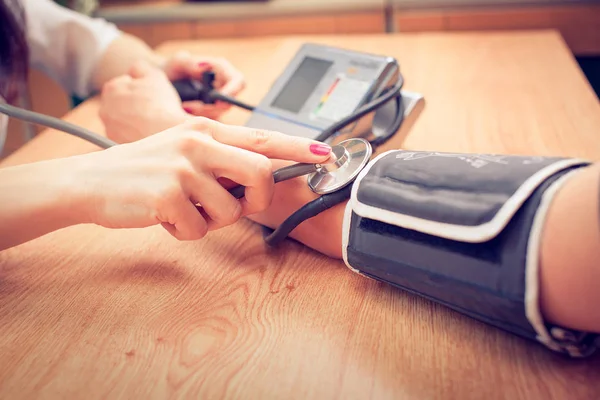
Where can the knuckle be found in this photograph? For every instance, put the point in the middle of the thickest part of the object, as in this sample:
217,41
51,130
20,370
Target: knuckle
187,142
259,138
167,195
184,172
205,125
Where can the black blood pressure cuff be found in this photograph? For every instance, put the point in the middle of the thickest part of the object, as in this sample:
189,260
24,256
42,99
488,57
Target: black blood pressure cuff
462,230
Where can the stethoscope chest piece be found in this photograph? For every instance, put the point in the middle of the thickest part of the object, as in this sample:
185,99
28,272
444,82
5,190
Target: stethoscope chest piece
352,156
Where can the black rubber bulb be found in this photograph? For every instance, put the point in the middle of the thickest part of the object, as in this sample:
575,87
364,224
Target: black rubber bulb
188,89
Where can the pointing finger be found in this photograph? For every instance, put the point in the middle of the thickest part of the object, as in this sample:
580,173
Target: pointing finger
271,144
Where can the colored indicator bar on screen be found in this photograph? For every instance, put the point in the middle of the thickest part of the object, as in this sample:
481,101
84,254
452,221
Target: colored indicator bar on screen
326,95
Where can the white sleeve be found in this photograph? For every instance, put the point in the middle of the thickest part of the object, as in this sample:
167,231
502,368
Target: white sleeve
65,44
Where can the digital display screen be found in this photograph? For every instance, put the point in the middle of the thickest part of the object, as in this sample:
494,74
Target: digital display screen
301,84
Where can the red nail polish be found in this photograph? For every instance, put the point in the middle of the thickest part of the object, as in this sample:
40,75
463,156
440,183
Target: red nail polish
320,149
203,64
187,110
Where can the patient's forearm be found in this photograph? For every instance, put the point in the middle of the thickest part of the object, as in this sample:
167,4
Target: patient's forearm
322,233
570,254
570,246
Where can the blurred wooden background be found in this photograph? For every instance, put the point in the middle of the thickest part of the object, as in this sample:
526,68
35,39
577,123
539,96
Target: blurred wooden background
163,20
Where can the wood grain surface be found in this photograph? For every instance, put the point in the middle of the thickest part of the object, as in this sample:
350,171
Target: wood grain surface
91,313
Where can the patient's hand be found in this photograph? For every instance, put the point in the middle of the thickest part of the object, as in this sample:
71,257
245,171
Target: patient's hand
140,104
228,80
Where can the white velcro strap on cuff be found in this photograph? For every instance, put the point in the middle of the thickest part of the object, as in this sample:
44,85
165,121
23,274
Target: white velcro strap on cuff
532,299
346,235
349,210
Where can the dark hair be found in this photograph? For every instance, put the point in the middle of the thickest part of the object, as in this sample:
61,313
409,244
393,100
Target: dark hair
14,52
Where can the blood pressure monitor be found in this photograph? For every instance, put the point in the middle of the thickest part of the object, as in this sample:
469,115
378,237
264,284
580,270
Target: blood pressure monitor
321,86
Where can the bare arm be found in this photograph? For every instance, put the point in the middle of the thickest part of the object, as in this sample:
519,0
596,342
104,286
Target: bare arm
570,250
37,199
570,254
322,233
120,55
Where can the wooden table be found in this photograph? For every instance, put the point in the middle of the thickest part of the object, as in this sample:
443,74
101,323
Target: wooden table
92,313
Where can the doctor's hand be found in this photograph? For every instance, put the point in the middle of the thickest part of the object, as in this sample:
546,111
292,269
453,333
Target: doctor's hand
228,80
140,104
176,177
